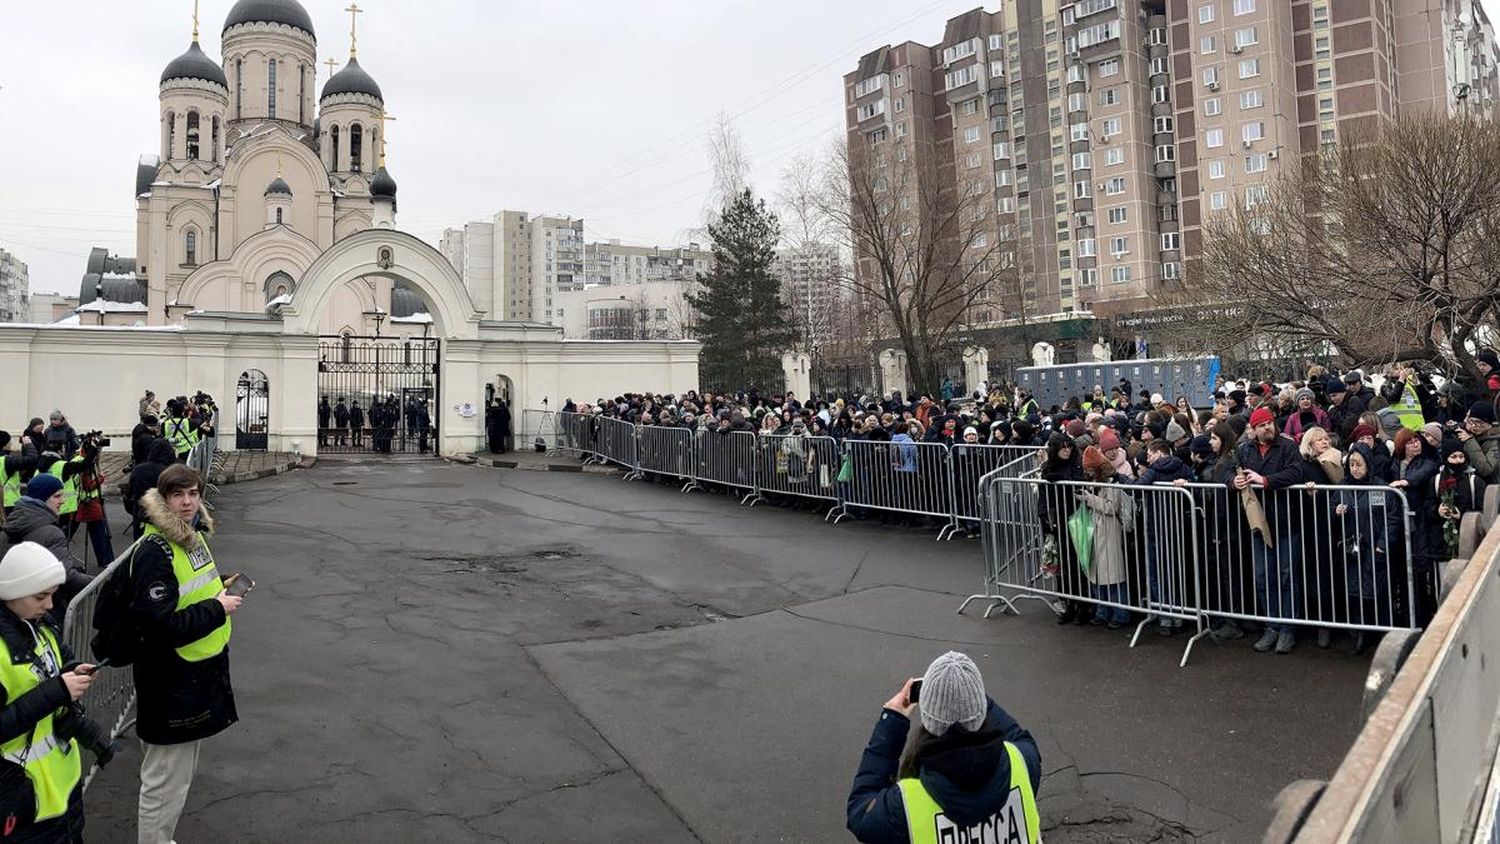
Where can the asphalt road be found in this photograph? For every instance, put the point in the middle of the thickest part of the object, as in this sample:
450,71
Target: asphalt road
441,653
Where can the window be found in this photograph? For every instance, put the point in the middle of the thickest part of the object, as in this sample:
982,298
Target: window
1119,275
870,85
1169,241
1114,155
1159,94
1082,190
969,108
1256,195
271,87
1099,33
1325,108
1212,106
1205,14
1083,161
213,152
1109,96
1109,67
1119,245
301,93
192,134
1115,186
1249,68
1325,78
1213,138
959,78
959,50
1211,76
333,148
190,248
900,80
1207,45
869,110
1118,214
1002,150
1169,270
278,216
877,136
979,241
1257,163
356,138
1251,99
1005,205
900,153
1254,131
1216,169
1111,126
972,160
1086,247
1246,37
900,105
239,86
971,134
1166,152
995,42
1157,37
1218,200
1159,66
1162,125
1244,7
1079,131
1088,277
1076,73
901,130
1003,177
1320,47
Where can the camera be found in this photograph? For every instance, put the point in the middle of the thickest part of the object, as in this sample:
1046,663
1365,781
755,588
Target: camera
74,724
96,439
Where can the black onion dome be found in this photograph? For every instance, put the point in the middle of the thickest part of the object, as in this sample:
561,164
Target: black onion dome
383,184
288,12
278,185
195,64
351,80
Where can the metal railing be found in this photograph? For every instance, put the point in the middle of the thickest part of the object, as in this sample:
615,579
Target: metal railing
618,445
575,433
725,459
798,465
110,700
905,477
666,451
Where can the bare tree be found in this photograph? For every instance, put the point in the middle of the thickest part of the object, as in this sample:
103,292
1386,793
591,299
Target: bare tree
926,247
1383,249
810,282
731,165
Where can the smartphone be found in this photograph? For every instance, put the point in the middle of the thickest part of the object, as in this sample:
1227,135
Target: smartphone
916,692
239,585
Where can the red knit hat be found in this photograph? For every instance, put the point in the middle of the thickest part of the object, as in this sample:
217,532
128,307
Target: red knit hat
1094,459
1261,416
1361,431
1108,439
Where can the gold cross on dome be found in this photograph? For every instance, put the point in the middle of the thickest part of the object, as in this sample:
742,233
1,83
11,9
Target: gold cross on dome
195,21
331,65
384,116
353,9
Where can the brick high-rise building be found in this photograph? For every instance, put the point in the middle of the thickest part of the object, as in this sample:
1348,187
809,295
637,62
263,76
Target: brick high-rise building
1105,132
15,289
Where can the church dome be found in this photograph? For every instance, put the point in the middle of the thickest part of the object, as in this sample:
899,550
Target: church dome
351,80
383,185
195,64
278,185
288,12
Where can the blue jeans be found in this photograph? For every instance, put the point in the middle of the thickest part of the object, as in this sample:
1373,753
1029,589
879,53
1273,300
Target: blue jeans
1114,592
1280,602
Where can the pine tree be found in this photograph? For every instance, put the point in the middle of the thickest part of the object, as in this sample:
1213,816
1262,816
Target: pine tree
741,319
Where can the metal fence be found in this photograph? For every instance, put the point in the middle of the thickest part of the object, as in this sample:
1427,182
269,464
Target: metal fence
574,433
110,700
725,459
798,465
617,444
905,477
1307,557
666,451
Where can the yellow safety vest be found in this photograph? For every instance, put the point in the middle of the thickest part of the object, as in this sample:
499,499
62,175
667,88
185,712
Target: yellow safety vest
197,580
10,485
181,435
70,488
1018,820
1409,409
50,762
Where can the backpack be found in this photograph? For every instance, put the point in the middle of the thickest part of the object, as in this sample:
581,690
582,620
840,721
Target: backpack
117,635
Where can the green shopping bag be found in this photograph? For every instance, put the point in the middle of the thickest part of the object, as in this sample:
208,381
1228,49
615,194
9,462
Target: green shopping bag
846,470
1081,531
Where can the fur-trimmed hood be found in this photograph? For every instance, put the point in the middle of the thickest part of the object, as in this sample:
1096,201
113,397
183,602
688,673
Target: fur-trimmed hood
170,524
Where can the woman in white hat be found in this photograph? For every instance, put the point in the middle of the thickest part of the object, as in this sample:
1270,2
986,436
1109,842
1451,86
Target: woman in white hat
969,773
41,778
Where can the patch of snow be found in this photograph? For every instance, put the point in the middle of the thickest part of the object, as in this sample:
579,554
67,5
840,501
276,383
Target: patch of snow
417,319
101,306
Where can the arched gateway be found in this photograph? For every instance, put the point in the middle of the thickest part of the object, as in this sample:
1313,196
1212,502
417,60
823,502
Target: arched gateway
384,393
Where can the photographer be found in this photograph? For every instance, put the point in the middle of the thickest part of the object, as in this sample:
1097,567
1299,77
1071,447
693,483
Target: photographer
179,430
34,520
16,468
41,777
89,486
970,771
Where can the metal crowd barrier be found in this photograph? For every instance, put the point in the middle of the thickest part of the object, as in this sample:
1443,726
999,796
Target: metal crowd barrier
970,463
905,477
802,466
575,434
110,700
1335,557
726,459
201,458
666,451
617,444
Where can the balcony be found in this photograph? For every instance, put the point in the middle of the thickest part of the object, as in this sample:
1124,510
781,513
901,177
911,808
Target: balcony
1164,169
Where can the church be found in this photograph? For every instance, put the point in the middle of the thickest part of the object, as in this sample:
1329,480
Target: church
270,272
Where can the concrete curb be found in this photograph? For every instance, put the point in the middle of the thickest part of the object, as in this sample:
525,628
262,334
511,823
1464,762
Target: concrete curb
508,463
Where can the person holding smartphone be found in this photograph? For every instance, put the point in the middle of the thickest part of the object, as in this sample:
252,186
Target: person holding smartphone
182,671
41,778
970,768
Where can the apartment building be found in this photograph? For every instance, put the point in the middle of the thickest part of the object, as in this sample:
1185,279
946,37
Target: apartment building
1109,130
809,275
615,263
494,259
15,289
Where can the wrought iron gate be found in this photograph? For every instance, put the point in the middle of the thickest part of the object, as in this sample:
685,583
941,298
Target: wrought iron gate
377,395
252,410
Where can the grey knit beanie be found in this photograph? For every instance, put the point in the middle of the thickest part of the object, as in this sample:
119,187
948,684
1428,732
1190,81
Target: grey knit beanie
952,693
1174,431
1305,393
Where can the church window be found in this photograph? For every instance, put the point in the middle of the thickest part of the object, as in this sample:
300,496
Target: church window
214,152
302,93
333,140
171,151
192,134
271,89
239,86
278,216
356,136
190,246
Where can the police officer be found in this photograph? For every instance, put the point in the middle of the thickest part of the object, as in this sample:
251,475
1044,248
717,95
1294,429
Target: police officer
41,775
182,672
970,773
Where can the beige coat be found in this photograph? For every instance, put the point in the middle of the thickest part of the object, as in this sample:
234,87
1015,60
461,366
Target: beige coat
1111,507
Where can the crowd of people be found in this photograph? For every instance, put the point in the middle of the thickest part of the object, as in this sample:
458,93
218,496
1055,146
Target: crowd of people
172,606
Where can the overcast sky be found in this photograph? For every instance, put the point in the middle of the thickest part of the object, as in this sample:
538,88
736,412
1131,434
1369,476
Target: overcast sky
590,108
